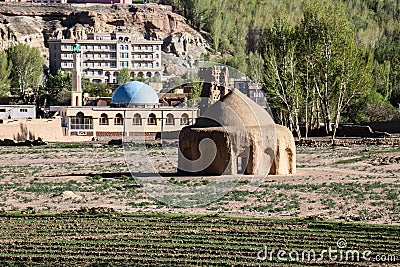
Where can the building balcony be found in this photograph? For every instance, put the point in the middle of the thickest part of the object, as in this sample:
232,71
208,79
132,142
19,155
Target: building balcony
143,59
146,69
100,59
144,51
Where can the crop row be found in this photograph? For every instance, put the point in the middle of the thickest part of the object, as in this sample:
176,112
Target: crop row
178,240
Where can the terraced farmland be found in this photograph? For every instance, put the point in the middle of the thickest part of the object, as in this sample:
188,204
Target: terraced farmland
115,239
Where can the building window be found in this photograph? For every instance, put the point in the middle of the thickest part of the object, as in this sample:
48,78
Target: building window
157,65
137,119
170,119
157,56
81,122
1,121
103,119
126,46
118,120
23,110
151,120
2,110
124,55
184,119
124,64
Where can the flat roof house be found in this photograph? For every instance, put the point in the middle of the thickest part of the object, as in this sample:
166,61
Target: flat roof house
17,111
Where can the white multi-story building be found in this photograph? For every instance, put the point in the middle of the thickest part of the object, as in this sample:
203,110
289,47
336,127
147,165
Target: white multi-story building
104,55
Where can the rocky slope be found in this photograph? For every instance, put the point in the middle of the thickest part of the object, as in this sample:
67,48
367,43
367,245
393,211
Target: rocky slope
34,24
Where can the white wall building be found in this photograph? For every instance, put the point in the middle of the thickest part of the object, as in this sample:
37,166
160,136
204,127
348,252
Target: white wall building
17,112
104,55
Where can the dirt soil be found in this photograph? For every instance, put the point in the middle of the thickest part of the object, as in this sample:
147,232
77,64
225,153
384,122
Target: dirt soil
348,183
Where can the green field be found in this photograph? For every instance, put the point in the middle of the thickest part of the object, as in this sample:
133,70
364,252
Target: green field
115,239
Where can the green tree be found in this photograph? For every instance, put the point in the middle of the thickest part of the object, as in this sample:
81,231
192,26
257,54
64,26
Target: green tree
26,73
388,49
5,70
97,89
325,33
354,80
58,88
124,76
281,76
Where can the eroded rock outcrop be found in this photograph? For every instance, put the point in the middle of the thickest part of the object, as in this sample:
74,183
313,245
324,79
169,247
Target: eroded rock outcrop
35,24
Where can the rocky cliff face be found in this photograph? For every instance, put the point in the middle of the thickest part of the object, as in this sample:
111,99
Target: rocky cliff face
34,24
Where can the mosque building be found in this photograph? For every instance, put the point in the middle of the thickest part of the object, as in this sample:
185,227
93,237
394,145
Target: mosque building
134,109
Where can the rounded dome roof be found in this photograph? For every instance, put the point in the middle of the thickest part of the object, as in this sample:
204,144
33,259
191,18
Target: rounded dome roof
134,93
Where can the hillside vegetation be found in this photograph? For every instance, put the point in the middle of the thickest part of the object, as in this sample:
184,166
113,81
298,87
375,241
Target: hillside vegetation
321,61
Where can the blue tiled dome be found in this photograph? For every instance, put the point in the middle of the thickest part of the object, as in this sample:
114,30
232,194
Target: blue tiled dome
134,93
